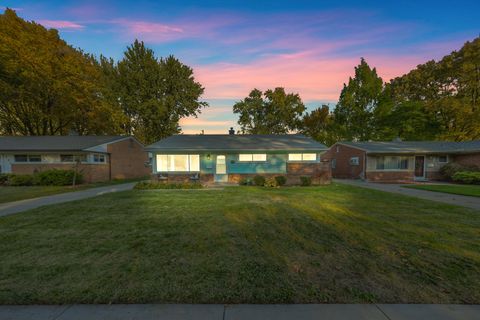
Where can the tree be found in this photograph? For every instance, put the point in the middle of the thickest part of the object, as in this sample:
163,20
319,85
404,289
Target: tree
46,86
153,94
319,125
272,112
357,103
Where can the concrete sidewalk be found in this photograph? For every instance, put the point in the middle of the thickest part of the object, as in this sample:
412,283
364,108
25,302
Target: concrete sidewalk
458,200
240,312
23,205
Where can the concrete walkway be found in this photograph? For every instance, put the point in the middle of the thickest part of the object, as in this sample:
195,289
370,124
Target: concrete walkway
464,201
240,312
22,205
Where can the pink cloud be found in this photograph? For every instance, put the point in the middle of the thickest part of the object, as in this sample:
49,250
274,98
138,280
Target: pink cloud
60,24
313,77
150,31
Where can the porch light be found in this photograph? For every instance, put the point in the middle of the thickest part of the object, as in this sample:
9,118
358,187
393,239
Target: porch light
208,156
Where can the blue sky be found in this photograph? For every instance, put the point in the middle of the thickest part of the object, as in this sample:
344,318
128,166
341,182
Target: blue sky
308,47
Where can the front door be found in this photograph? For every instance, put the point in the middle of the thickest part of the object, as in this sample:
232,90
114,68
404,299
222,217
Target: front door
419,167
221,169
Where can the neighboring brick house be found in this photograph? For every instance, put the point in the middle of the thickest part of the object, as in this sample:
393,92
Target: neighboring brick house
98,158
231,157
399,161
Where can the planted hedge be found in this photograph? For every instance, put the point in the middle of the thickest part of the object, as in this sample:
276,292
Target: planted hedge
54,177
469,177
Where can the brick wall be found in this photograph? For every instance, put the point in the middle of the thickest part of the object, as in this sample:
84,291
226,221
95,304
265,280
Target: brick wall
468,159
343,169
127,159
390,176
320,172
90,172
204,178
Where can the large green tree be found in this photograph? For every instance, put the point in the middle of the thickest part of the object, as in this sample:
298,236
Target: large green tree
271,112
46,86
154,94
354,113
319,124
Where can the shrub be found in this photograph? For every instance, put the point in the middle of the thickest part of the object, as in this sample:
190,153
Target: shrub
20,180
305,181
271,182
450,169
259,180
469,177
3,178
245,182
57,177
149,185
281,180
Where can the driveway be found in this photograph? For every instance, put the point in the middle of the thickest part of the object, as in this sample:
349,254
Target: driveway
244,312
23,205
458,200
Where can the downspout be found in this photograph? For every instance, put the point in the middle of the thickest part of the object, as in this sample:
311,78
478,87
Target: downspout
364,166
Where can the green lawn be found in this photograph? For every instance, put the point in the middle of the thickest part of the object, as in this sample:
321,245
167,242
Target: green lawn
8,194
335,243
465,190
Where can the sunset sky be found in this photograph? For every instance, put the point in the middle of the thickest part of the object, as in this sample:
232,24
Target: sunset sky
308,47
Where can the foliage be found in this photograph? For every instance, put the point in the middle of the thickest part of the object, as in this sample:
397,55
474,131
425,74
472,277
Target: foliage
20,180
271,112
271,182
47,87
469,177
281,180
305,181
57,177
449,170
154,94
245,182
147,185
357,104
259,180
319,124
4,178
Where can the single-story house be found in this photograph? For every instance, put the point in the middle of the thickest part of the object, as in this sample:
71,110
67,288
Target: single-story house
399,161
98,158
229,158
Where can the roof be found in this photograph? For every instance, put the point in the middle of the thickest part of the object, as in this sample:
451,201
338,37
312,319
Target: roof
54,143
236,142
417,146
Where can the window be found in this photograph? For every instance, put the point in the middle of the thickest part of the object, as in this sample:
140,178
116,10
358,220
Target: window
442,159
334,163
302,157
354,161
21,158
73,158
178,162
252,157
392,163
27,158
99,158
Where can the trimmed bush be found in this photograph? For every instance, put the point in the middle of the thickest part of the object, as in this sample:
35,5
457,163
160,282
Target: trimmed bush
271,182
20,180
259,180
245,182
57,177
305,181
281,180
3,178
450,169
150,185
468,177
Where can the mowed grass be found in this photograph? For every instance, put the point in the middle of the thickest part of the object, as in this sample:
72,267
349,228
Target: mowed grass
327,244
464,190
9,194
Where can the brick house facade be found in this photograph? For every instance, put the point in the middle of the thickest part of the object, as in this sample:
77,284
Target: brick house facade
399,161
97,158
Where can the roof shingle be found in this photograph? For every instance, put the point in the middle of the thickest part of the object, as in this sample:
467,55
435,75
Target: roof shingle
53,143
417,146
